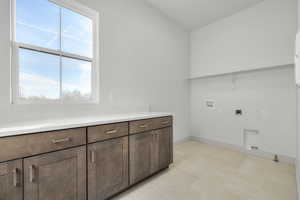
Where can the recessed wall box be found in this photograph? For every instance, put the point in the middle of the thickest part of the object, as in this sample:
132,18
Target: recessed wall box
251,139
210,104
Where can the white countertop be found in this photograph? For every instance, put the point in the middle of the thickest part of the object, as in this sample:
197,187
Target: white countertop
51,125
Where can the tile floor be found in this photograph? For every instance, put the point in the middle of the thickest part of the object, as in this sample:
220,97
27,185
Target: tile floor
207,172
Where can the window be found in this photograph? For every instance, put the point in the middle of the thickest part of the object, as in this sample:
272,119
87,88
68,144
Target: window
54,52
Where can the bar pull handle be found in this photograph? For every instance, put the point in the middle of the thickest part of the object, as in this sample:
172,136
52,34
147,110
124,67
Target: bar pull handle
144,126
16,177
31,174
165,122
58,141
93,156
111,131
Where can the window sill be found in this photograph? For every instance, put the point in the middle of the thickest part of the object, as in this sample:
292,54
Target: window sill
54,102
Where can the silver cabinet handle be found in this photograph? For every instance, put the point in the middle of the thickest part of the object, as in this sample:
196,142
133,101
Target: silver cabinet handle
111,131
165,122
58,141
144,126
31,174
16,177
93,156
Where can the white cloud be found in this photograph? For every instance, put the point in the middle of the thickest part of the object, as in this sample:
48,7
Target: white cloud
65,33
84,80
32,85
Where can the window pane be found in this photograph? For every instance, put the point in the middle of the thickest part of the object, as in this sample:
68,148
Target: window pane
77,34
39,75
38,23
76,79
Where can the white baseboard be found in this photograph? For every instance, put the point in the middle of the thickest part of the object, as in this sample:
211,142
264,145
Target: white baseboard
267,155
298,180
188,138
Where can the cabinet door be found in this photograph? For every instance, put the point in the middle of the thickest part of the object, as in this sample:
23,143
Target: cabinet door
107,168
11,187
171,145
163,140
141,156
60,175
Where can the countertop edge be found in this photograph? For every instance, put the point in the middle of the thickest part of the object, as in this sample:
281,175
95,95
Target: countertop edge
25,129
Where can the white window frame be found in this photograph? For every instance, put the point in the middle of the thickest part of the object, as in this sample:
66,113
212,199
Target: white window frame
80,9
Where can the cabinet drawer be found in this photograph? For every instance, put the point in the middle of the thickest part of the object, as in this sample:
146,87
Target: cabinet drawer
162,122
141,126
149,124
104,132
28,145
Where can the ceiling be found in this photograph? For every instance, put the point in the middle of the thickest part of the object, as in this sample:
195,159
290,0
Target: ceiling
194,14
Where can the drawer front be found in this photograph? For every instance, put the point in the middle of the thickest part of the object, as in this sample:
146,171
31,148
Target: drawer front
104,132
163,122
141,126
28,145
149,124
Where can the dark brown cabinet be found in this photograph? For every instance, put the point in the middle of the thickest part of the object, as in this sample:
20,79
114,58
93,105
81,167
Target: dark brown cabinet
149,153
11,184
87,163
107,168
60,175
163,146
141,156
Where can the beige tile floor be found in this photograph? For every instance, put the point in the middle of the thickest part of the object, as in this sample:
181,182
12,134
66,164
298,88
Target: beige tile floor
207,172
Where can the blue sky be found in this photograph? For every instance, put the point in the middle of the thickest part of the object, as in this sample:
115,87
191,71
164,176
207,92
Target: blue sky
38,23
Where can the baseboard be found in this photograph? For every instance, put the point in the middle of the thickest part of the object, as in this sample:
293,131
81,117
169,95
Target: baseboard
298,179
267,155
182,140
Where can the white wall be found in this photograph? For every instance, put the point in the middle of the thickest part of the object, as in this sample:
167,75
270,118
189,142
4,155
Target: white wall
298,141
258,37
144,61
298,121
267,98
237,59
